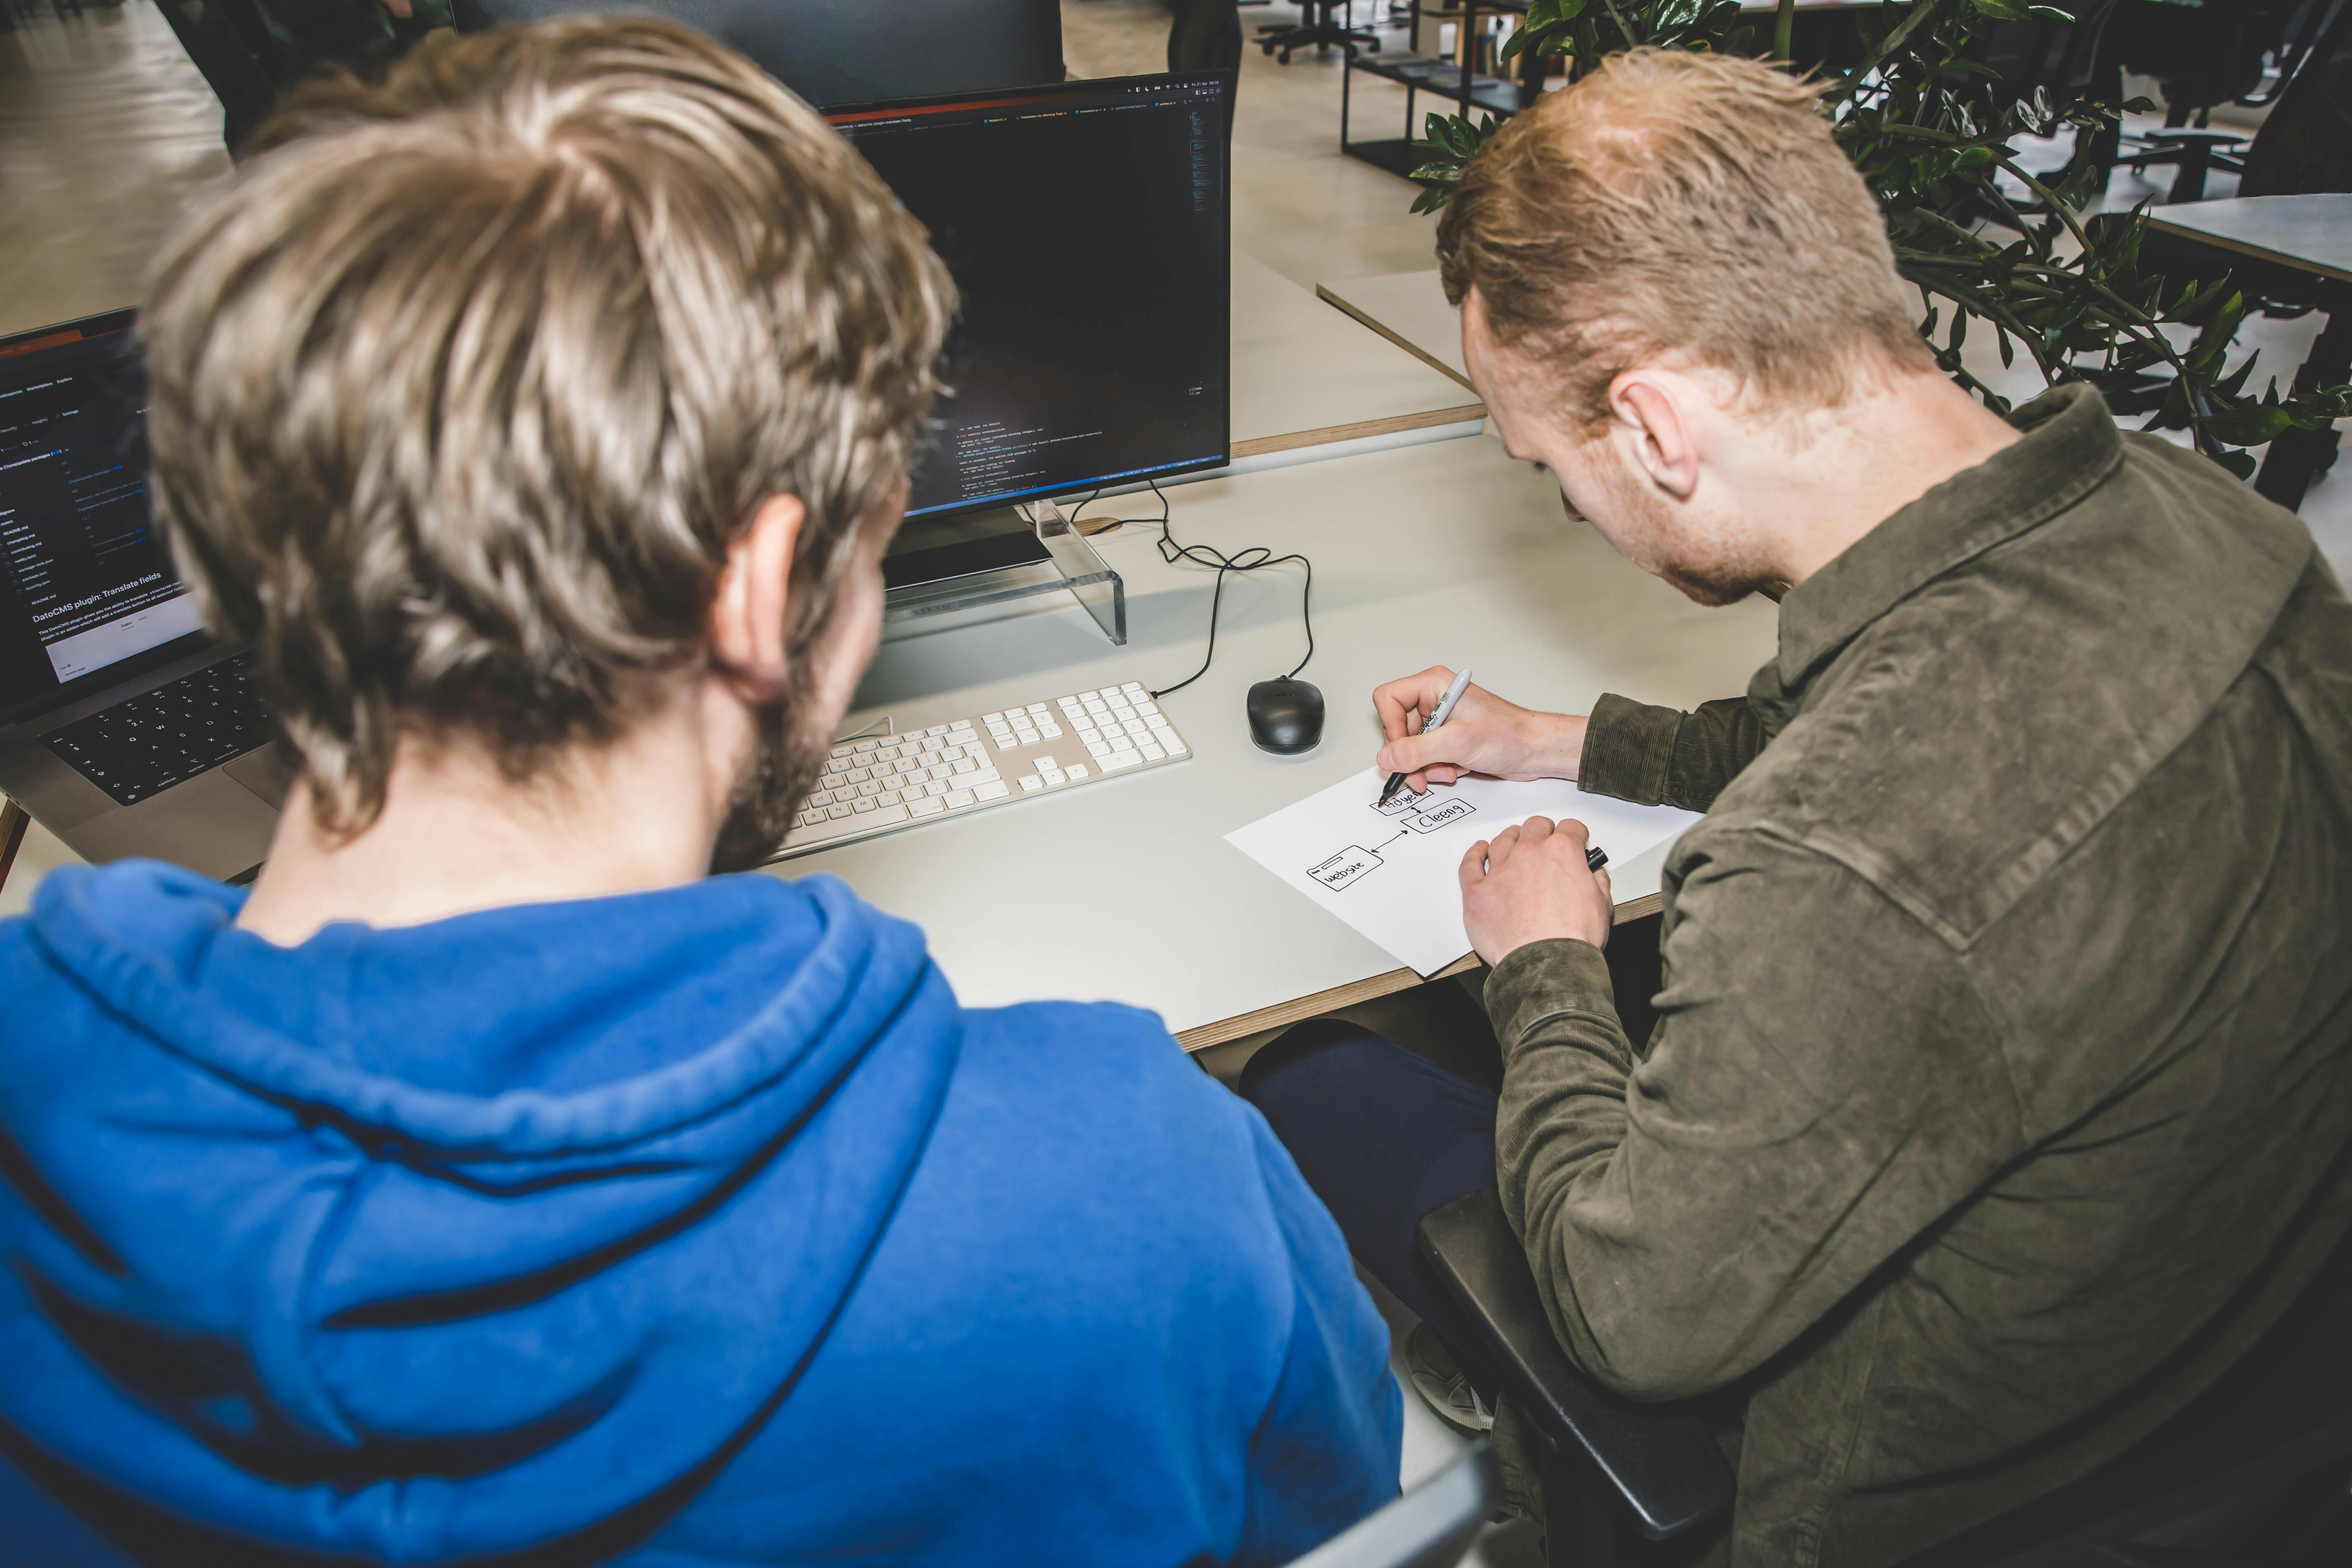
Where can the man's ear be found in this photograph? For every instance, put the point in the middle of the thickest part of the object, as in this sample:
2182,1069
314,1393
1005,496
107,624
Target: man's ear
747,617
1664,442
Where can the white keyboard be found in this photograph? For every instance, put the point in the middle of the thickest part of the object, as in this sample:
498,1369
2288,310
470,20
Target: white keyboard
928,775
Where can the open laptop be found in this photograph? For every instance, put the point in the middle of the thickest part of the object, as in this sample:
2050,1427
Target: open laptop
123,728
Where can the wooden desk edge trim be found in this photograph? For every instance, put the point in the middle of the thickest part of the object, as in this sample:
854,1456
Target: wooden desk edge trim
1424,355
2246,248
1203,1036
1258,445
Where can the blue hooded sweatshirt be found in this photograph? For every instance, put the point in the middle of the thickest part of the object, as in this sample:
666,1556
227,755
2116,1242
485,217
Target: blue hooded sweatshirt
698,1226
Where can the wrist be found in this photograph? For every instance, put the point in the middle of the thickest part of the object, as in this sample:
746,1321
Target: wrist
1557,744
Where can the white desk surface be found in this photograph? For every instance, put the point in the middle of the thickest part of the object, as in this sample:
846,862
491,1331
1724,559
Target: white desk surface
1303,375
1408,308
1124,889
2313,233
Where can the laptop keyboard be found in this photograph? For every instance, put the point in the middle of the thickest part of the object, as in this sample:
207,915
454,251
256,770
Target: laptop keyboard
147,743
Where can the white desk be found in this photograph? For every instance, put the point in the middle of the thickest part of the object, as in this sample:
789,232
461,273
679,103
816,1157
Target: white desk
1304,377
1408,308
1125,890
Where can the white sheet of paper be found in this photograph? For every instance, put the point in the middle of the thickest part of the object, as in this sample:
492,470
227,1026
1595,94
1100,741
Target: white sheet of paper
1395,875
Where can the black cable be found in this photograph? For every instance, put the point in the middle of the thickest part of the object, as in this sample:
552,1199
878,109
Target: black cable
1255,558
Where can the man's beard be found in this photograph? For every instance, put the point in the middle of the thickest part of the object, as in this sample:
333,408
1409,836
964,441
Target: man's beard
784,766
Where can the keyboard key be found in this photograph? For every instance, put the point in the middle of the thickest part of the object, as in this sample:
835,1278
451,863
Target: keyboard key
992,718
862,806
935,788
1136,728
1051,776
1031,783
887,797
926,806
836,811
985,776
1134,685
1046,764
959,798
866,745
1171,742
1036,707
883,813
1118,760
1097,750
995,790
1150,753
1078,771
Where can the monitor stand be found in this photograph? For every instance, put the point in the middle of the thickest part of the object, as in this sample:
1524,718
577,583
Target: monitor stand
938,567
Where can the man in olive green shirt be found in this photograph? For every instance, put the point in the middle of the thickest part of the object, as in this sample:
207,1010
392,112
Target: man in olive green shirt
2000,1092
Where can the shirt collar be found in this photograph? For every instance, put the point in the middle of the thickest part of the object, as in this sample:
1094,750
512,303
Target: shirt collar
2069,447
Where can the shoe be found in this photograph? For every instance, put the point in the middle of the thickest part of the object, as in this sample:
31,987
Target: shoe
1443,1386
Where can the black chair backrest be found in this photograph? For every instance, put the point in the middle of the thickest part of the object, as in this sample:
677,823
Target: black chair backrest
1206,35
2306,145
221,57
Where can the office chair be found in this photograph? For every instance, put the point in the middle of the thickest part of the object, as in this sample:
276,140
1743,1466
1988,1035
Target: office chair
220,55
1204,35
2304,145
2254,1470
2249,53
1429,1527
1323,32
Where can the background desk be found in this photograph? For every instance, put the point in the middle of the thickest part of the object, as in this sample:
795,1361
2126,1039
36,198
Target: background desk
1446,552
1408,308
1305,377
2312,235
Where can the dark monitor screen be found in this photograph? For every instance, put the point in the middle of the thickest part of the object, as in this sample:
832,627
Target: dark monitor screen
1086,225
88,594
848,51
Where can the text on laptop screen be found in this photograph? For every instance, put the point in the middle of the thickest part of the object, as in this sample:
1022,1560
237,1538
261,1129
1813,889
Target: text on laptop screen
88,583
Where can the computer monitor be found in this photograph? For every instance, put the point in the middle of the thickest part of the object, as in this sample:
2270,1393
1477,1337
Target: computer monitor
1085,224
89,595
847,51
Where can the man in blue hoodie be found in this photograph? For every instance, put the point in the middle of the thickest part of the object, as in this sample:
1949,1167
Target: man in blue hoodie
491,1182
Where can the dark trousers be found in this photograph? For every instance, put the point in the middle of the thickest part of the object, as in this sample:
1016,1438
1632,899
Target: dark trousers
1384,1135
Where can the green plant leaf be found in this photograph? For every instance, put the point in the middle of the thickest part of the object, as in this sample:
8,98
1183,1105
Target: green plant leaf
2000,10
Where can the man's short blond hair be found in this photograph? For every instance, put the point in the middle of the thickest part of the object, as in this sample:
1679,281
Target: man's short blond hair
1677,207
462,392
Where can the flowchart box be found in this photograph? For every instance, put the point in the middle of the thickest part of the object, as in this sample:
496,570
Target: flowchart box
1344,867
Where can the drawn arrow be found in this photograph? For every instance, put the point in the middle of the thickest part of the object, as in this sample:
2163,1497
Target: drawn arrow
1385,842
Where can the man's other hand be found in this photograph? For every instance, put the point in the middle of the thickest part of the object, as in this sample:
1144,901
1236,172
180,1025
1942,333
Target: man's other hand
1484,734
1530,883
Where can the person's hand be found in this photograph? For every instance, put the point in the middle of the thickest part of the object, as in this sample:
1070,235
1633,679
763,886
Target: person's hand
1530,883
1484,734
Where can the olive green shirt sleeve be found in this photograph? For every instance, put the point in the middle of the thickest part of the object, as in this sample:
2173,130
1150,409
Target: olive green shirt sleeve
1663,756
1822,1084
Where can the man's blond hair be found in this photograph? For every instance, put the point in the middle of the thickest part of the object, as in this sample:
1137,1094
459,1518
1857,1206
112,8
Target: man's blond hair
464,390
1680,207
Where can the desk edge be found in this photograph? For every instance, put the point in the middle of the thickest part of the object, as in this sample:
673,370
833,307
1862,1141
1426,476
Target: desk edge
1299,1009
1258,445
1323,292
2246,248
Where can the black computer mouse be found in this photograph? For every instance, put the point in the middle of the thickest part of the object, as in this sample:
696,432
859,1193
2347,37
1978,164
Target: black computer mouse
1285,716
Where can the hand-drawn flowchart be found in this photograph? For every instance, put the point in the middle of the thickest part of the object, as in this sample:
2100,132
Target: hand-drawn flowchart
1415,814
1338,841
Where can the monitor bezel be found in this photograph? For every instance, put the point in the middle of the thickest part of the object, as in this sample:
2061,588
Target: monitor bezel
1223,82
124,677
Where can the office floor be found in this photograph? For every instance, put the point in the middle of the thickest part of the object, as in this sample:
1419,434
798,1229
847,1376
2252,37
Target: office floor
107,134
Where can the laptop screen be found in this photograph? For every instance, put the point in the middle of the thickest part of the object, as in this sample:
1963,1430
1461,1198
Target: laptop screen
87,596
